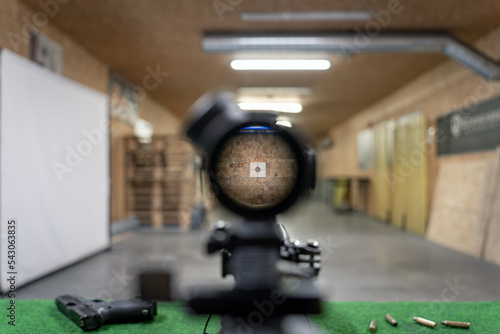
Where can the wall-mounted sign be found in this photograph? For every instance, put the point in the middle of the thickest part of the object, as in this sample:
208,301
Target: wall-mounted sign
123,99
469,130
124,106
45,52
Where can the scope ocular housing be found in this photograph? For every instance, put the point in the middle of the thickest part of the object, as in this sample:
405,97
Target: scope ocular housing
256,168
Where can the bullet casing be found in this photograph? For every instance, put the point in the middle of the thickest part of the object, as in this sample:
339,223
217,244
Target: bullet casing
391,320
425,322
373,326
456,323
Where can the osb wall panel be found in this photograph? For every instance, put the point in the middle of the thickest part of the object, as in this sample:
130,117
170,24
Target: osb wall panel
491,248
460,197
233,169
342,159
16,20
163,121
119,131
445,88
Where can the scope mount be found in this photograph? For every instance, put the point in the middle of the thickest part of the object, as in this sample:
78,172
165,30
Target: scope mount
250,254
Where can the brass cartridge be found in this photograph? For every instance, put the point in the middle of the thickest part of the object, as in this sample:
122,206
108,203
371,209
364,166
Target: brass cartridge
373,326
425,322
456,323
391,320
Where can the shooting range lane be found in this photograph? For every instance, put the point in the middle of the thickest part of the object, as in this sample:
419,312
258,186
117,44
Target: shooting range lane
362,259
339,317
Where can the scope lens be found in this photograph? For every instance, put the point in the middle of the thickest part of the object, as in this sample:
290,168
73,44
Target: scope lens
256,168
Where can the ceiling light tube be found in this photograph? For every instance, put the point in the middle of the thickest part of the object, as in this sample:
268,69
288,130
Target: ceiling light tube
306,16
276,91
290,107
280,64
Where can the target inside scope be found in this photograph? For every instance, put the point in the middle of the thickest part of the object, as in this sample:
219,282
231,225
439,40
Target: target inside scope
256,168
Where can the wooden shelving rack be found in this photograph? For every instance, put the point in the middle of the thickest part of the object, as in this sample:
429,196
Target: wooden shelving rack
160,181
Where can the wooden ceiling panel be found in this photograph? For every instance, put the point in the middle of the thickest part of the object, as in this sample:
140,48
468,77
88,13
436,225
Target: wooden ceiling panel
130,35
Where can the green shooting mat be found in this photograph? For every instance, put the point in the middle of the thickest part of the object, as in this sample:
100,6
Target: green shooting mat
42,316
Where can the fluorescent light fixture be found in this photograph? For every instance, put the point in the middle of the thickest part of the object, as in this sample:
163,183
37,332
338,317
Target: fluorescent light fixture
291,107
267,99
274,91
280,64
306,16
284,123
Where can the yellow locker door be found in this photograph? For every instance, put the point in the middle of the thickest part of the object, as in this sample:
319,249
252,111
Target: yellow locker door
398,179
417,182
381,187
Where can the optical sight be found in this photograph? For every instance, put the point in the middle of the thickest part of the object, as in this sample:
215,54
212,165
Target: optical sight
256,167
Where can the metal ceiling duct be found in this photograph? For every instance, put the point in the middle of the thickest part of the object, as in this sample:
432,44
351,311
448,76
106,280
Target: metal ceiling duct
349,43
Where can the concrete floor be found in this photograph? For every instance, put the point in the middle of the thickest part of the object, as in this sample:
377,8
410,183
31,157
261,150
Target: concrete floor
362,259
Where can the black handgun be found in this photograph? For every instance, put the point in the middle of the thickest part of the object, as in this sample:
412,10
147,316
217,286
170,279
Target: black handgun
92,314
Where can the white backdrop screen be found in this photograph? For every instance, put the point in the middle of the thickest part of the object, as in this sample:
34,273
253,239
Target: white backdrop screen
54,169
